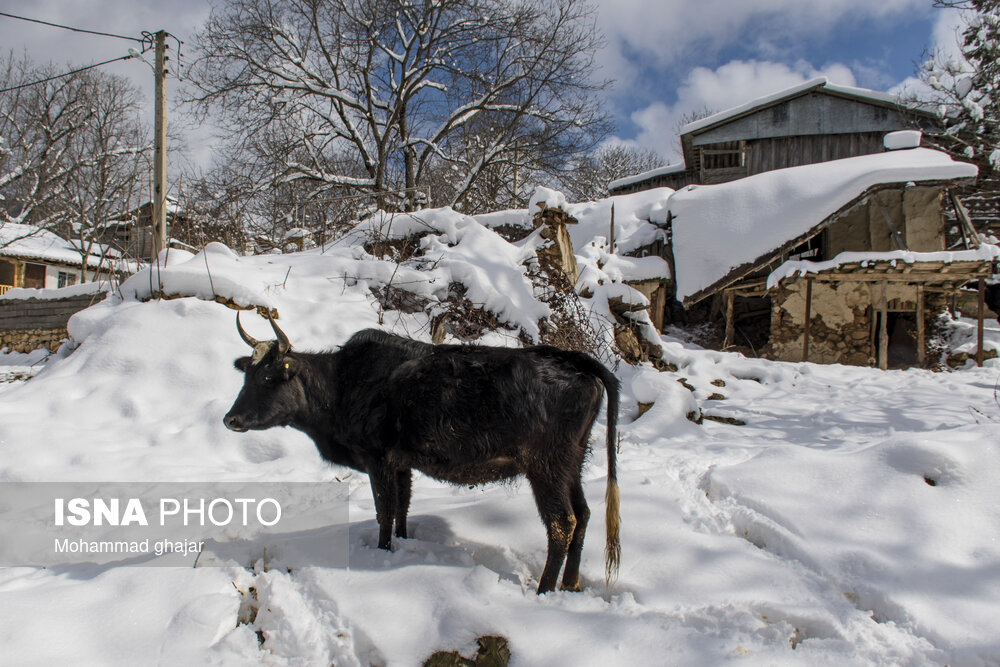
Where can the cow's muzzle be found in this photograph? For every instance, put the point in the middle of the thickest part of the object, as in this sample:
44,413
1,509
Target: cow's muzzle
235,423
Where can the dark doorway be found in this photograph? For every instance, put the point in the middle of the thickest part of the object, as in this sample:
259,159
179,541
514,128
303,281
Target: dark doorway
34,275
902,328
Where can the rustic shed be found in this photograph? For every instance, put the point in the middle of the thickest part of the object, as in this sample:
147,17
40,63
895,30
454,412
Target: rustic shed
832,262
815,121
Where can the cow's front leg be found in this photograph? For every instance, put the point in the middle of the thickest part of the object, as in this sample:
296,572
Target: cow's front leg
404,482
383,483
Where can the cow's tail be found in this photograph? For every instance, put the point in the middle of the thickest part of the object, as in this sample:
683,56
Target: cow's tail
612,516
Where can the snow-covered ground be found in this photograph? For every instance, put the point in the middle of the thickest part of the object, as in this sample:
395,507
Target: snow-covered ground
854,519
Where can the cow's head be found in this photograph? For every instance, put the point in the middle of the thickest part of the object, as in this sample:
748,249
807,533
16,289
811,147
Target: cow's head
271,394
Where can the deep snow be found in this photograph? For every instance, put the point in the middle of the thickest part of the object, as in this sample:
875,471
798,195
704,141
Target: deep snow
810,535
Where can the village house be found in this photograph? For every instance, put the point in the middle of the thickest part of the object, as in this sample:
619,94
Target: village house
37,258
131,233
815,121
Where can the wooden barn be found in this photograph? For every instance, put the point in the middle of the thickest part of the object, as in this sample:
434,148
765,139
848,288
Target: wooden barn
815,121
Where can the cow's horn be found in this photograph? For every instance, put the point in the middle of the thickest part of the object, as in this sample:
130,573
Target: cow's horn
249,340
283,344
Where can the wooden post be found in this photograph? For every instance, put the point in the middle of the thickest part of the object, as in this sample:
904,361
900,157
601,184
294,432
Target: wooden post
805,337
883,329
611,232
979,324
658,306
921,334
160,148
730,325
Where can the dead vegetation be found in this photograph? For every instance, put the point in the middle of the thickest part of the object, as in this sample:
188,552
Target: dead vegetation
494,651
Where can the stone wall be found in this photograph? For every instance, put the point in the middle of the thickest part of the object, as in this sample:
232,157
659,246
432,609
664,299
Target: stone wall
27,340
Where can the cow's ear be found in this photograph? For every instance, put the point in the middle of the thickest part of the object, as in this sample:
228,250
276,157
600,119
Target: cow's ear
288,368
242,364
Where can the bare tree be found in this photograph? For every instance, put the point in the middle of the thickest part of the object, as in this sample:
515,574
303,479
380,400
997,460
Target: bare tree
590,178
38,124
382,95
105,163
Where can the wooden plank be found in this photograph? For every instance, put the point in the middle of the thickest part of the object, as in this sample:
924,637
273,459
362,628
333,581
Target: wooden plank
883,330
921,334
805,337
979,323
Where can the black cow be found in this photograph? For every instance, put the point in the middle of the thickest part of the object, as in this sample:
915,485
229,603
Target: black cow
385,405
992,299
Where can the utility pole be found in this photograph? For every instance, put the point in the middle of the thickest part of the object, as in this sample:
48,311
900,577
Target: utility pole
160,148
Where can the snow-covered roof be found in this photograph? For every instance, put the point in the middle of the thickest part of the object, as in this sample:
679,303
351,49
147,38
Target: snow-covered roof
717,228
54,293
985,252
646,175
30,242
818,82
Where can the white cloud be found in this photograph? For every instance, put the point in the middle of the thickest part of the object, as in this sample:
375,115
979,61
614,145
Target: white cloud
671,31
730,85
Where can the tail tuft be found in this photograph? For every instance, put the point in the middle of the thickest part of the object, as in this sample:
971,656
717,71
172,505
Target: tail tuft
612,520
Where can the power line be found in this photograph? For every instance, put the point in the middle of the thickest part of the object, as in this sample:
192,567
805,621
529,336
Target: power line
66,27
59,76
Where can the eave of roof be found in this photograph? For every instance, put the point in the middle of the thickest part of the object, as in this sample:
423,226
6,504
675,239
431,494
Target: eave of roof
940,267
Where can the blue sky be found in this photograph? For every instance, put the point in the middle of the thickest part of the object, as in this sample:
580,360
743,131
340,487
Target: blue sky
687,55
667,57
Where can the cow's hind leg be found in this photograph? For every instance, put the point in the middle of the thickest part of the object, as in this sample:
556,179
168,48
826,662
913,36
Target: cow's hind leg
404,483
560,523
383,483
571,576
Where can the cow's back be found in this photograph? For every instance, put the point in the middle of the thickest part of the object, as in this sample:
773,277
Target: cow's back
460,407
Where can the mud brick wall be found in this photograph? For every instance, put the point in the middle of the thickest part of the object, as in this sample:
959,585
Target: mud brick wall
841,327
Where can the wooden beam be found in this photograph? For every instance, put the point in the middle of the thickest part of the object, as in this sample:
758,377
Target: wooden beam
979,323
896,237
730,325
883,330
921,334
913,278
805,336
965,222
